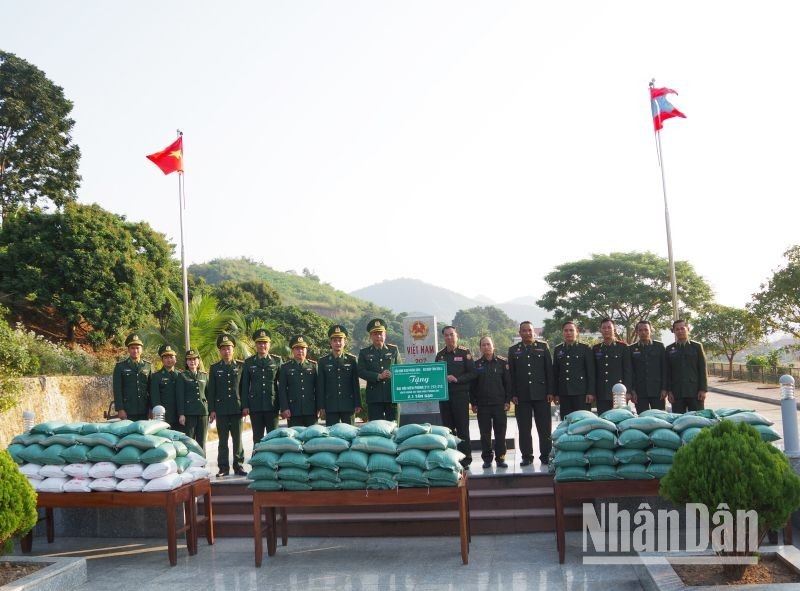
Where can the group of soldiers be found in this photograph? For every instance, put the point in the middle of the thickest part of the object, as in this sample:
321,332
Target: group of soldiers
266,388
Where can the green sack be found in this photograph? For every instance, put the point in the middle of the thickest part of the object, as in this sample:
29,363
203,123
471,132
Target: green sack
127,455
180,449
375,444
280,432
726,412
88,428
52,455
183,463
324,459
573,443
323,485
293,459
343,431
353,474
121,428
602,472
411,476
767,434
644,424
658,470
688,434
265,485
617,415
379,427
14,450
410,430
100,453
654,412
160,454
687,421
665,438
441,430
559,431
381,481
634,472
634,439
143,442
148,427
296,474
449,459
630,456
29,438
661,455
323,474
314,431
426,441
452,441
193,446
295,485
265,458
579,415
600,457
752,418
65,439
603,439
92,439
171,434
353,459
262,473
571,474
279,445
590,424
568,459
323,444
48,428
383,463
353,485
413,457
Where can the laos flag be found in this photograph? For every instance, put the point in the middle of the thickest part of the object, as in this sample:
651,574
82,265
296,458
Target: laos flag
661,107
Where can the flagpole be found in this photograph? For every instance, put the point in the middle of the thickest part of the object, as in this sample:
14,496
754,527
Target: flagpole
672,275
181,205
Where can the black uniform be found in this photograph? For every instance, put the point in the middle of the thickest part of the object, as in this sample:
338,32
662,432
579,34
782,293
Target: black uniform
686,375
649,374
613,366
490,392
531,368
338,389
455,412
297,392
371,362
259,391
223,398
573,368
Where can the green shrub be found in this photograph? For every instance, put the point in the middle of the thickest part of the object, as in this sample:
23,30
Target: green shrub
17,503
15,360
59,360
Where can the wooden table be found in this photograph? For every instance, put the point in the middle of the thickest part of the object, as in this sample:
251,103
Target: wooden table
202,488
270,501
183,495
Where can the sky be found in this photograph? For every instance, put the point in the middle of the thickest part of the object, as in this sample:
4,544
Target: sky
472,145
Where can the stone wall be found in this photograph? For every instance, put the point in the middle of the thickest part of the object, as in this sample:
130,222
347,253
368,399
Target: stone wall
58,398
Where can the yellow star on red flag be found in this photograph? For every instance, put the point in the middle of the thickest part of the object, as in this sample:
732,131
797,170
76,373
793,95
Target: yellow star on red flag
170,159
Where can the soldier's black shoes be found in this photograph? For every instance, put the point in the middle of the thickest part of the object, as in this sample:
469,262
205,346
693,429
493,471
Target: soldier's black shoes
502,464
222,473
526,462
239,472
488,465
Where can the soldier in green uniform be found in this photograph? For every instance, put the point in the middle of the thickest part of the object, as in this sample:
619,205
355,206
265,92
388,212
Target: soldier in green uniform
259,386
531,368
163,386
573,368
687,380
648,387
460,375
225,406
191,399
374,363
338,389
131,381
297,386
612,360
491,399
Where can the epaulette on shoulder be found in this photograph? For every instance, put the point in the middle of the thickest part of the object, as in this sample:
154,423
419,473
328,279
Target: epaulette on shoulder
462,348
501,358
349,354
391,346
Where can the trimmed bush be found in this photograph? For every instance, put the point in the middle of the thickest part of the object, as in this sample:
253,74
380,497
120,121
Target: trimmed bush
17,503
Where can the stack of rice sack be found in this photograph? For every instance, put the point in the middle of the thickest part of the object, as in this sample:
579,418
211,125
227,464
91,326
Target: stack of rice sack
619,445
125,456
343,457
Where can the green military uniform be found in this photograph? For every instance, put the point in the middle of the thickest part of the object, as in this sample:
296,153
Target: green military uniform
191,402
649,374
491,391
371,362
163,389
531,368
259,388
455,411
574,373
686,375
338,389
297,387
613,366
131,383
222,394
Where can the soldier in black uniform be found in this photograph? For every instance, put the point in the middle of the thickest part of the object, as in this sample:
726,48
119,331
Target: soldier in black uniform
491,398
131,382
612,359
573,367
460,375
191,399
338,389
297,386
163,386
649,383
259,386
225,406
534,389
374,363
687,381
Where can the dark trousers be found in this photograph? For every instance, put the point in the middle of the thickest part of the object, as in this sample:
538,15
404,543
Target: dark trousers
643,404
604,405
570,404
263,422
681,405
381,410
492,418
230,425
196,427
302,420
137,417
527,413
455,414
331,418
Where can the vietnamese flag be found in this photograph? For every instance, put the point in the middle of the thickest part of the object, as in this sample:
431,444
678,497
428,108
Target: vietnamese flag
170,158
